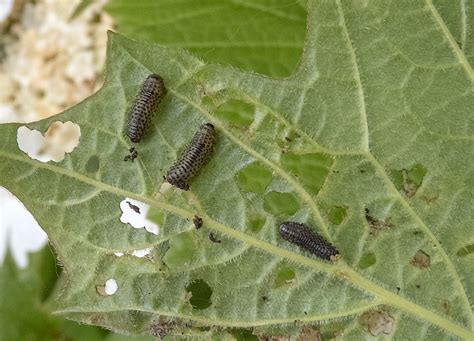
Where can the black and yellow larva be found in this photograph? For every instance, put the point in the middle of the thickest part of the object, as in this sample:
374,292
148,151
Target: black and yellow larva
139,118
301,235
194,157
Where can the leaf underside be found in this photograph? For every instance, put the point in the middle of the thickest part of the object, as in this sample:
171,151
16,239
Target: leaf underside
369,142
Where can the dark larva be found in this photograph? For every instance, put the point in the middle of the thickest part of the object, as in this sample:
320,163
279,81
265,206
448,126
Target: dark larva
148,98
302,236
194,157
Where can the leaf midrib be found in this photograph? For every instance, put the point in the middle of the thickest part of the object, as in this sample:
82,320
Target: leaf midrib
338,270
236,323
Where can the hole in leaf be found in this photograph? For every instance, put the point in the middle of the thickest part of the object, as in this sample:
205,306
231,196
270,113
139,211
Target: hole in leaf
182,250
141,253
200,294
332,331
421,260
278,203
408,180
367,260
465,250
377,322
337,214
255,222
109,288
311,169
92,164
243,335
308,334
285,276
254,178
136,253
376,225
236,112
60,138
134,212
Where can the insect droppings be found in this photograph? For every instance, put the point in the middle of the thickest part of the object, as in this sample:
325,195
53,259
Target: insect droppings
194,157
132,156
302,236
133,207
139,118
197,221
213,238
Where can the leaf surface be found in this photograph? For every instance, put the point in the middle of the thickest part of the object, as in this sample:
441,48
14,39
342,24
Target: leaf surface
369,142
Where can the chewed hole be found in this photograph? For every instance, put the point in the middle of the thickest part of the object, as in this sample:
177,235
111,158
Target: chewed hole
465,250
367,260
285,277
255,222
310,169
136,253
134,212
92,164
421,260
236,112
59,139
409,180
109,288
254,178
337,214
377,322
243,335
201,294
279,203
182,250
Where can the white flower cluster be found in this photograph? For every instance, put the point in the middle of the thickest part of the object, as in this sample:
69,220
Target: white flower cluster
51,62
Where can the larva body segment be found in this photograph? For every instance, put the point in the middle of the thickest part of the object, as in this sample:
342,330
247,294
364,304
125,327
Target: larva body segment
194,157
139,118
301,235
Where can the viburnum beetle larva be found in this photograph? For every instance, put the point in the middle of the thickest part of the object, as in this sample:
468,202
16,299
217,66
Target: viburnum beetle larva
301,235
194,157
139,118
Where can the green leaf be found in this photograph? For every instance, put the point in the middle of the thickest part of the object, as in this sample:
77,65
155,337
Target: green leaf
381,88
23,308
265,36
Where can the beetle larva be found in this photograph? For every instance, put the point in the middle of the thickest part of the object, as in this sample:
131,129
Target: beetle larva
302,236
139,118
194,157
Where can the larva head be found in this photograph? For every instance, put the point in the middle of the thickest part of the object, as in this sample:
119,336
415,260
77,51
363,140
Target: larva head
287,229
207,127
158,85
155,76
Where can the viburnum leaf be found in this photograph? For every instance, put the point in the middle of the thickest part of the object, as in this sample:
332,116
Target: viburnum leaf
369,142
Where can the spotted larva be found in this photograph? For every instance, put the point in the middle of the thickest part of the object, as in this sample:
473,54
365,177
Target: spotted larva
139,118
194,157
302,236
